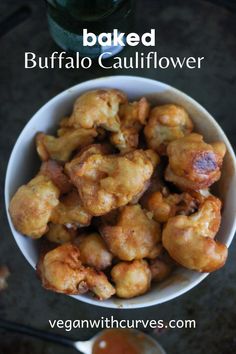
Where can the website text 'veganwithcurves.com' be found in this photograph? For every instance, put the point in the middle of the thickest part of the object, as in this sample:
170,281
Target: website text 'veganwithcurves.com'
110,322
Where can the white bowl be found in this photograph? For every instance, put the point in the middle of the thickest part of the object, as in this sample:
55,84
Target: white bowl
24,163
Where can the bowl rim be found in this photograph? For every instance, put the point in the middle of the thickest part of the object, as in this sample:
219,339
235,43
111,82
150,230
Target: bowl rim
117,304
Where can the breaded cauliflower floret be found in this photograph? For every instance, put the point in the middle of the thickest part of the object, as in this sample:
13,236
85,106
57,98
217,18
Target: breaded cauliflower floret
61,270
131,278
97,108
155,160
164,205
93,251
189,240
70,211
61,148
167,122
32,205
111,181
60,234
54,171
160,270
194,164
134,235
132,118
98,283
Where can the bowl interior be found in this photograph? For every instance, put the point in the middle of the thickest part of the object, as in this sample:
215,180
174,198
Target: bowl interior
24,163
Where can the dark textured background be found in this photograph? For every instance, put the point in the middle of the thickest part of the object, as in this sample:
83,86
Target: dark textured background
185,28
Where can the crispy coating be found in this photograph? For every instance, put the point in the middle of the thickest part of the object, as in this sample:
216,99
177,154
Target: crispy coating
134,112
164,205
156,184
167,122
97,108
55,173
194,164
93,251
103,149
152,156
125,140
62,147
94,167
98,283
133,116
70,211
108,182
138,196
60,234
63,126
61,270
32,205
131,278
189,240
134,236
155,160
160,270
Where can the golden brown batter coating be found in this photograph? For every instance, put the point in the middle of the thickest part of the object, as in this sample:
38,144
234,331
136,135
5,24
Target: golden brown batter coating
62,147
98,283
54,171
61,270
163,204
167,123
133,117
160,270
97,108
189,240
108,182
155,160
156,184
134,236
82,176
60,234
93,251
70,211
134,112
93,149
32,205
131,278
194,164
152,156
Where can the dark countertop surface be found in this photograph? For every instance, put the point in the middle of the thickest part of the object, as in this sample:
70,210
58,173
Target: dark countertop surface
184,28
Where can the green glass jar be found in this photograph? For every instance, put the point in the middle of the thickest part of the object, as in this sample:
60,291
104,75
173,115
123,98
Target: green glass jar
68,18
